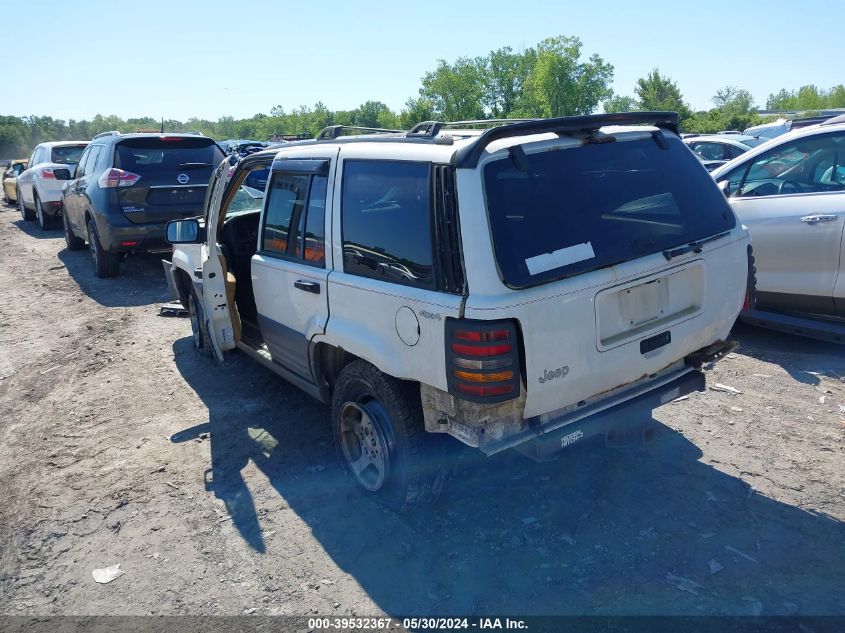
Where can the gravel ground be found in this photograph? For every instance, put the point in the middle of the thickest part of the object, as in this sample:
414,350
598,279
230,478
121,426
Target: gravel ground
218,491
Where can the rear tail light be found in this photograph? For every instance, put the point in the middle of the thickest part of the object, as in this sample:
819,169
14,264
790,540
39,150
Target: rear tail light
47,173
482,361
117,178
751,282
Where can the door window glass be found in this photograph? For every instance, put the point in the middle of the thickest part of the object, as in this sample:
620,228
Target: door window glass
91,164
287,196
80,166
802,166
314,221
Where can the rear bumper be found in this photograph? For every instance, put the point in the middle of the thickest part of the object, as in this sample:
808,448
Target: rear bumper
625,411
119,235
824,330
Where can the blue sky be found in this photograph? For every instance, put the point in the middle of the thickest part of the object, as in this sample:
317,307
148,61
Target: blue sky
211,58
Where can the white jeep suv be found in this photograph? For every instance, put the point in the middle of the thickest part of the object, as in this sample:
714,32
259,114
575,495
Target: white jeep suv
525,286
39,192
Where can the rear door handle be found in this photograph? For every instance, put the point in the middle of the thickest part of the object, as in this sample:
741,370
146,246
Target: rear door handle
307,286
815,219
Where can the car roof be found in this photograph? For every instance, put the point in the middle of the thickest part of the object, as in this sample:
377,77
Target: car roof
436,141
721,138
62,143
804,132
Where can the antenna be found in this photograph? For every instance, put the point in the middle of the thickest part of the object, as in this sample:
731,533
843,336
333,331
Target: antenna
162,125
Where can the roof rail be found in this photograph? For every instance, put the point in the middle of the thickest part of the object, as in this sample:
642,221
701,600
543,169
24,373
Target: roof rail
469,155
430,129
109,133
333,131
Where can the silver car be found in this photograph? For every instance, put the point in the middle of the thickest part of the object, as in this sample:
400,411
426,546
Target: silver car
790,193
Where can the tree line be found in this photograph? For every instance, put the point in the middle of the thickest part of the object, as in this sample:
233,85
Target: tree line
553,78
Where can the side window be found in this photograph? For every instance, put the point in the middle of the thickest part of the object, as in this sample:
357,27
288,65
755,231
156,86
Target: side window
286,198
711,151
80,166
35,158
794,168
93,157
386,221
314,221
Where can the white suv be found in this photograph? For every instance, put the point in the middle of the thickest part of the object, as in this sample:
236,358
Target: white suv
39,192
525,286
790,193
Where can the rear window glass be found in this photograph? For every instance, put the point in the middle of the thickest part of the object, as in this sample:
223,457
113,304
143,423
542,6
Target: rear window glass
169,154
579,209
66,154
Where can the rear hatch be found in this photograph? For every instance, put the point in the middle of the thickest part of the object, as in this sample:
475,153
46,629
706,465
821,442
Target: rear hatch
593,239
61,157
173,176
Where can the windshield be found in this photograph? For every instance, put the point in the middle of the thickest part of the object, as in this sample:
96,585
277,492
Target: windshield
246,200
66,154
578,209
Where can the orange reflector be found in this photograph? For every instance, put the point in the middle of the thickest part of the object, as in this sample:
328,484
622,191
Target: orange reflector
497,377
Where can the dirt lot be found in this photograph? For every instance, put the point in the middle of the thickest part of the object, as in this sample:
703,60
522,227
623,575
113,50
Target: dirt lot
218,492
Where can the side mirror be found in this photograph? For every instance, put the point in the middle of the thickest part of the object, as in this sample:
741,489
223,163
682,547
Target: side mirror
725,186
62,173
184,232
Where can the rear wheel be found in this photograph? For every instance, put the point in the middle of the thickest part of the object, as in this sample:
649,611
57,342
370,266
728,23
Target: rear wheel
73,243
6,196
26,214
45,222
378,426
105,264
199,327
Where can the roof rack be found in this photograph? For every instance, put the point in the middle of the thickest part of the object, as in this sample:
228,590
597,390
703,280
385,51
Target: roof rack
109,133
430,129
333,131
469,155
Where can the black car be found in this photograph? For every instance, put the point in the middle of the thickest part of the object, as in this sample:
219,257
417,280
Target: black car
126,187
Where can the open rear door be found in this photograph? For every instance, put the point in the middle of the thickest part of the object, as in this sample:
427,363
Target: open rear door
218,312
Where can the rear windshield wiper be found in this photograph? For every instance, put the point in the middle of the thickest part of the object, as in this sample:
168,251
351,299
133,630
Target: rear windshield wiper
692,247
193,165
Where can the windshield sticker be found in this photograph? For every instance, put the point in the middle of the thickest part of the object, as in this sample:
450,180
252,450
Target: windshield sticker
559,258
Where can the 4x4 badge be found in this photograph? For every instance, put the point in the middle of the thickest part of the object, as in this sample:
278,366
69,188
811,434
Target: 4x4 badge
551,374
183,179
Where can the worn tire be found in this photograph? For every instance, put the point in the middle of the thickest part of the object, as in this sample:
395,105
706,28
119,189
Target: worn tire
106,264
383,415
45,222
199,326
26,214
73,243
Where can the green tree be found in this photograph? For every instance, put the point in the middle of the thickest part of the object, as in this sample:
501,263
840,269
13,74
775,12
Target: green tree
506,75
656,92
561,84
416,111
618,103
457,90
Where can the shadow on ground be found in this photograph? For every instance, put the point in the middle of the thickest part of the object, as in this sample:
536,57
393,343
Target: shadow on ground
631,531
32,229
805,359
141,280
